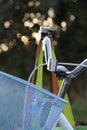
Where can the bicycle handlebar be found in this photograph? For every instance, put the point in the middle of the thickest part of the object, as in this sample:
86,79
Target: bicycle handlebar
63,72
53,66
77,70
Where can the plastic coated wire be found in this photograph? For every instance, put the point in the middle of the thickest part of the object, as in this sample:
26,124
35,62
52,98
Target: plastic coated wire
29,79
71,64
59,63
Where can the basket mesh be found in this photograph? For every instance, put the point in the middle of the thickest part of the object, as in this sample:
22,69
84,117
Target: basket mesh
24,106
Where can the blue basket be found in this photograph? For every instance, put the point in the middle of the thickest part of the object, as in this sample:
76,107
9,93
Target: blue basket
24,106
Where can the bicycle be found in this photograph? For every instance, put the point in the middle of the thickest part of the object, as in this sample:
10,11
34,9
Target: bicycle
61,71
25,106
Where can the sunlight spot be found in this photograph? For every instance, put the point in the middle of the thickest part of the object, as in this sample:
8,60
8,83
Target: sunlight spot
28,24
36,36
50,21
32,15
31,24
72,17
25,40
37,3
51,12
31,4
40,22
6,24
26,16
64,25
19,35
4,47
35,20
38,15
45,23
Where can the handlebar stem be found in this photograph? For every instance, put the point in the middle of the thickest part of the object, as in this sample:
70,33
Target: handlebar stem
48,53
64,87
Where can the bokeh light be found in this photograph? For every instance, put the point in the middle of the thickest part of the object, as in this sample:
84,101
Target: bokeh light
28,24
3,47
7,24
30,3
64,26
36,36
51,12
31,20
72,17
25,40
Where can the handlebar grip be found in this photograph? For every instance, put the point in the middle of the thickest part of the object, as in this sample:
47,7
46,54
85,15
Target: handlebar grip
77,70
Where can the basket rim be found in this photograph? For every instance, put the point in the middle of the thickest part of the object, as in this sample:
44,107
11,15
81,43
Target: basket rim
28,84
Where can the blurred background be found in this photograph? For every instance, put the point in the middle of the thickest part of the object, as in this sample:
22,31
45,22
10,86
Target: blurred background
20,21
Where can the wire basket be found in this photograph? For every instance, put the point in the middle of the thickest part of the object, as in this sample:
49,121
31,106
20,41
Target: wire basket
24,106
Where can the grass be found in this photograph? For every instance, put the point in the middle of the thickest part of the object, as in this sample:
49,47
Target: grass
80,114
80,111
75,128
